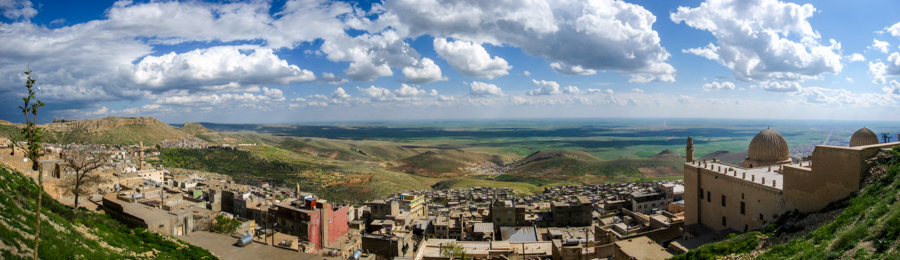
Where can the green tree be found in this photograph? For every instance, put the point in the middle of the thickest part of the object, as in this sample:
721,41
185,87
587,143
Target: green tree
453,250
223,224
32,148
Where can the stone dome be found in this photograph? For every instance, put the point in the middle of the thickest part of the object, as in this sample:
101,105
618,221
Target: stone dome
862,137
768,146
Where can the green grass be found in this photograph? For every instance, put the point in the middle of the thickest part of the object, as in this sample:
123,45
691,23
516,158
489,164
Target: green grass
241,165
732,244
282,167
59,237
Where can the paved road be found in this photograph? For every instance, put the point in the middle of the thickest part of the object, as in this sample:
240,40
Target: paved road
224,247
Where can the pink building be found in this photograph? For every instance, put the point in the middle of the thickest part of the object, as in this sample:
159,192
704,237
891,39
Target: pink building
313,220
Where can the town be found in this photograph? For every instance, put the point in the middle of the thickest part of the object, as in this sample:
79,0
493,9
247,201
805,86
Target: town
612,220
631,220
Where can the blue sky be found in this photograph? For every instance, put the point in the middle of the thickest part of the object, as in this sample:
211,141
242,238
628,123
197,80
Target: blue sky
313,60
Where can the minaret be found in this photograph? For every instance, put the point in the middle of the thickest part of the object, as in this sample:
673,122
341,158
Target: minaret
689,150
141,155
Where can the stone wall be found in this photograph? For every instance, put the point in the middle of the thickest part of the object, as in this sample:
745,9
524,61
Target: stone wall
761,203
836,172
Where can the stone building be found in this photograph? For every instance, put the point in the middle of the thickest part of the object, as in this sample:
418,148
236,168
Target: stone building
123,208
507,214
573,213
722,196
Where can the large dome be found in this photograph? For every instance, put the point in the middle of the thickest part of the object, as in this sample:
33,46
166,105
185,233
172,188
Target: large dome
768,146
862,137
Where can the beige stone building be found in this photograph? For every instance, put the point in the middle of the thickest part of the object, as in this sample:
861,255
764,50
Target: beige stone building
767,184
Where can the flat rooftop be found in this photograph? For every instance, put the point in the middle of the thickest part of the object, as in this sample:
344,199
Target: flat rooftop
643,248
753,175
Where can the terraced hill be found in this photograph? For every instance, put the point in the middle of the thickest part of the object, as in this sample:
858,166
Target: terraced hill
74,235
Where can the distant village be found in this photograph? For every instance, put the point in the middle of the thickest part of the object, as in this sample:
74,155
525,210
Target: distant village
613,220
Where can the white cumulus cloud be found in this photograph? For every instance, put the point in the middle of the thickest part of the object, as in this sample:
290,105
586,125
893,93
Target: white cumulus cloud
718,86
591,35
894,29
409,91
570,90
893,89
856,57
545,88
881,46
471,59
15,9
752,39
340,93
373,55
217,66
477,88
571,70
881,70
780,86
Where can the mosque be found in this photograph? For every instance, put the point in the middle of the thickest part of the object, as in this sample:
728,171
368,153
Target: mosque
768,183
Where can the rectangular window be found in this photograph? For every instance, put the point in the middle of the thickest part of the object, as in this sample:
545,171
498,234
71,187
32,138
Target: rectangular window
760,217
708,197
723,200
742,208
701,194
724,223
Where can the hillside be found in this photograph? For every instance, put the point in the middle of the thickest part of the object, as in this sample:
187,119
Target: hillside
865,225
111,130
347,150
727,157
335,180
213,137
581,167
70,235
444,163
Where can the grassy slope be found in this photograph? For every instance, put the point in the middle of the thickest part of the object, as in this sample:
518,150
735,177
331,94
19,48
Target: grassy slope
101,238
330,179
441,162
124,134
205,134
576,166
346,150
867,228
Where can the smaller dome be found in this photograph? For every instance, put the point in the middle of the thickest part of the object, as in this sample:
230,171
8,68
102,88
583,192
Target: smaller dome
862,137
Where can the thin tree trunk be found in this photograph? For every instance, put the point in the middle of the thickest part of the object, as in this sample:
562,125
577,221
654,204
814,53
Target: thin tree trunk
77,191
37,225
